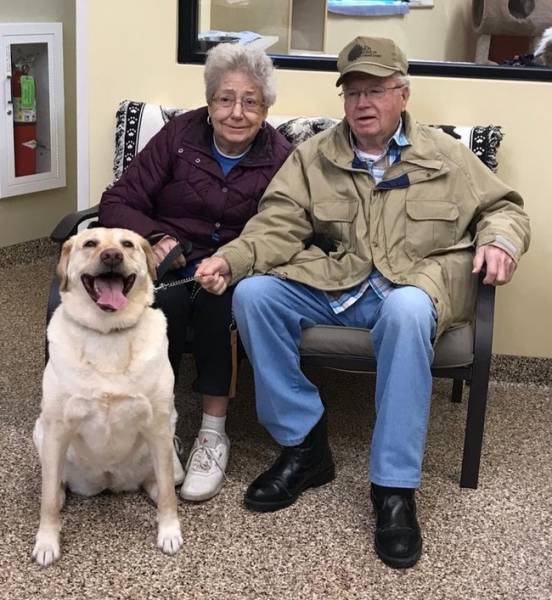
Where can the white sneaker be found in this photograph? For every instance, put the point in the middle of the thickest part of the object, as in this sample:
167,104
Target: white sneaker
206,466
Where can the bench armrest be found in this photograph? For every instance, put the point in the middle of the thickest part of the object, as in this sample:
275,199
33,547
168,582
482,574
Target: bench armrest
69,224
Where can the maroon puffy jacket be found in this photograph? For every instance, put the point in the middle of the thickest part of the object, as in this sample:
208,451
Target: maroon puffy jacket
175,186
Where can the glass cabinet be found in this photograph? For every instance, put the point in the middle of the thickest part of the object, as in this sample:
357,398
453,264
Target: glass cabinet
32,132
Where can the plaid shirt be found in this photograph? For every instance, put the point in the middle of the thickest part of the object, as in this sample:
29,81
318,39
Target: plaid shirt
374,166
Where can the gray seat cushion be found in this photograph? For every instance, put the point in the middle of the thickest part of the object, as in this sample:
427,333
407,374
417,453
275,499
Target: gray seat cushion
454,349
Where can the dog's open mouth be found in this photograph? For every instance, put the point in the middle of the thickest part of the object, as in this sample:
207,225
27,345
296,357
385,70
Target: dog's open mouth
109,290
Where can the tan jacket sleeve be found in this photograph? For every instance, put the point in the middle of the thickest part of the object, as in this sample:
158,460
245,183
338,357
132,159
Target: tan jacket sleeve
279,230
500,218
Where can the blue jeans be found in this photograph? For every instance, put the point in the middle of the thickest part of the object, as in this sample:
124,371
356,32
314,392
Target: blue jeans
271,313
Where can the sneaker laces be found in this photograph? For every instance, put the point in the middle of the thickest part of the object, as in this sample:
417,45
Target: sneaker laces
202,458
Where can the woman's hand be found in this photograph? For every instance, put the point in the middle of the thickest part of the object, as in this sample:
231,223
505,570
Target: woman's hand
213,274
163,247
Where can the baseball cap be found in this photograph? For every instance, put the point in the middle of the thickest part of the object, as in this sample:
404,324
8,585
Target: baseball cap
372,55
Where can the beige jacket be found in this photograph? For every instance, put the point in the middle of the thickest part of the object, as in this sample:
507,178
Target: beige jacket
419,226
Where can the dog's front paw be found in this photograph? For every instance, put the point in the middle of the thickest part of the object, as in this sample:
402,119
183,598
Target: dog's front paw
46,550
169,538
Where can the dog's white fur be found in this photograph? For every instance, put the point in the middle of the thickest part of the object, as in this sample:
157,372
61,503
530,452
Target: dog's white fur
107,418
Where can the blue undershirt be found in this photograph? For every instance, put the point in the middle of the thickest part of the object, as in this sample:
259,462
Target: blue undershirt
226,162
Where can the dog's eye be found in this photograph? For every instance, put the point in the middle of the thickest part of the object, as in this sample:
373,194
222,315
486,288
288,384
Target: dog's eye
127,244
90,244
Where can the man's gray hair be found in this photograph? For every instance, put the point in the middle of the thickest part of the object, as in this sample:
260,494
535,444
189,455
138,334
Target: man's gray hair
254,63
403,80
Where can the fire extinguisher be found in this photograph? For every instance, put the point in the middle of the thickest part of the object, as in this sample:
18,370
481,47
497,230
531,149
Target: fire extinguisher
24,120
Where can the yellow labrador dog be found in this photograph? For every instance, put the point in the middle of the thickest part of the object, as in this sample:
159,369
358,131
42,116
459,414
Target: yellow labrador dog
107,418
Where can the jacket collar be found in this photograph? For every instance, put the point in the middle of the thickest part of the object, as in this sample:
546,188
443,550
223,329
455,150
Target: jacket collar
421,152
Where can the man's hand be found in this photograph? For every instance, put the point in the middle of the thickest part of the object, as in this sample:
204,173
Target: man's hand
499,265
214,274
163,247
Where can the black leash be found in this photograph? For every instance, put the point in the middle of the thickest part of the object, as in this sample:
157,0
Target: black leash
165,265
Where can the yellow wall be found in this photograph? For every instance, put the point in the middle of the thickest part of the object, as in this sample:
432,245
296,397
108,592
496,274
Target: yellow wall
33,216
141,64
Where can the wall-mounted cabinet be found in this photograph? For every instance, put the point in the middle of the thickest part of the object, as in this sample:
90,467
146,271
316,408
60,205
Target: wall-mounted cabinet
32,125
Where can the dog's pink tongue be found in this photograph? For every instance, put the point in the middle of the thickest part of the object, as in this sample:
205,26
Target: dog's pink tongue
110,293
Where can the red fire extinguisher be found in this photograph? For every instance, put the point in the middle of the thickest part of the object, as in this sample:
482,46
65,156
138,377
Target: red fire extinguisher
24,120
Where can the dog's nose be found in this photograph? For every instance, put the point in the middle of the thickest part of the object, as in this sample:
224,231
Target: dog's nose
111,257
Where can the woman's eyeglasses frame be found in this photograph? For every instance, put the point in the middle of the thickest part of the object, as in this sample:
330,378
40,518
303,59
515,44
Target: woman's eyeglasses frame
227,102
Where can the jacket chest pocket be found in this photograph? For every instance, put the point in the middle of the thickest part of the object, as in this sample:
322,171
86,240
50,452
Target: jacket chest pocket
334,218
431,225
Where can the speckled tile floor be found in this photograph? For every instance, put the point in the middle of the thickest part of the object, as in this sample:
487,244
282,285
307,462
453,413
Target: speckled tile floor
485,544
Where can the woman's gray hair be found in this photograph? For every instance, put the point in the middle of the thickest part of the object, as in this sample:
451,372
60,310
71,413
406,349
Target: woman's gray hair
255,63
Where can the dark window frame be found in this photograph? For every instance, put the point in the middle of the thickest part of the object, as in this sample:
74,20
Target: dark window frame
188,12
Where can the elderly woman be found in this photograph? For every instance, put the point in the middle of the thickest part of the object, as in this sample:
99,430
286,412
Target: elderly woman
199,180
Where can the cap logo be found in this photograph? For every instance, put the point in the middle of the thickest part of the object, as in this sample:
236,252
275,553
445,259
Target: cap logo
357,51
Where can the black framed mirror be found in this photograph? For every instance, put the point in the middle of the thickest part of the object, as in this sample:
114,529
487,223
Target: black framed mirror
301,25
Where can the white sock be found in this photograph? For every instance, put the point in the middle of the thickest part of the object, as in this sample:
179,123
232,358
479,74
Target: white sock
214,424
210,424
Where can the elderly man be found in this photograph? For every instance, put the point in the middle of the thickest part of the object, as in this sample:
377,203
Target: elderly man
381,223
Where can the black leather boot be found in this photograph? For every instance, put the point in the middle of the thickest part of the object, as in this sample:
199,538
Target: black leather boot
298,468
398,539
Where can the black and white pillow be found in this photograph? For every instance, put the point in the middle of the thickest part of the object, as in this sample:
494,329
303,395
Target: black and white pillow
302,128
138,122
483,141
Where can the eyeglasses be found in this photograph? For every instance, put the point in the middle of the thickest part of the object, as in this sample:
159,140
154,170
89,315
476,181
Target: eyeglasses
375,93
248,103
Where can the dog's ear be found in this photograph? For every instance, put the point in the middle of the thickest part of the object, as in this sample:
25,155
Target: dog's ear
62,265
150,259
